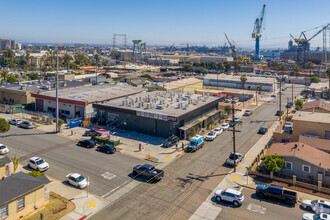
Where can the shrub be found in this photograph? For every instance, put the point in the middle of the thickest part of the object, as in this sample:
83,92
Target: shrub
36,173
273,163
192,132
4,125
105,141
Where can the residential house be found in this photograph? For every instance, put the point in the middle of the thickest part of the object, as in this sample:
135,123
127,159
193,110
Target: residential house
6,167
319,90
320,106
22,194
303,161
318,143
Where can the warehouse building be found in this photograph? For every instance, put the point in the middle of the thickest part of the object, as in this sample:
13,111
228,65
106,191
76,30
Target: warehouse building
160,113
77,102
229,81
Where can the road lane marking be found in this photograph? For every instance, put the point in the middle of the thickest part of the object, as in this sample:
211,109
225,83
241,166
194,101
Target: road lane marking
256,208
108,176
115,189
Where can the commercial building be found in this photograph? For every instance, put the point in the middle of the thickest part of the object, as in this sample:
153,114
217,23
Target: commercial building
77,102
159,113
215,59
22,194
311,124
229,81
319,90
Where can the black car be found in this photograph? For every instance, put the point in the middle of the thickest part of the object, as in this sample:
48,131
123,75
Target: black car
278,113
289,105
92,133
171,141
109,149
262,130
87,143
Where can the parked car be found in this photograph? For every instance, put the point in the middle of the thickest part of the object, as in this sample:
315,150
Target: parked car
289,105
77,180
225,126
273,95
218,131
15,122
278,113
288,130
278,193
248,112
235,100
230,159
317,206
109,149
211,136
38,164
229,195
195,143
228,101
311,216
288,124
3,149
92,133
87,143
263,130
284,88
237,118
148,171
171,141
27,124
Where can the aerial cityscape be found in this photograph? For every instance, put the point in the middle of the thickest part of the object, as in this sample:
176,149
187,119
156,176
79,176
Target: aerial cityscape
165,110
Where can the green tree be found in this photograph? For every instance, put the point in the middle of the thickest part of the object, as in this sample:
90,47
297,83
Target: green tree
192,132
310,65
33,76
67,58
296,69
228,109
147,76
4,125
12,79
243,80
82,60
15,161
227,66
282,68
188,67
237,67
222,115
220,66
259,88
5,75
299,104
328,75
36,173
60,123
200,69
315,79
273,163
105,63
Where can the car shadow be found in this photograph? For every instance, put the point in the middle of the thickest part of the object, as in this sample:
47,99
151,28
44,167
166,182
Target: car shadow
64,182
141,179
223,203
227,165
27,168
275,202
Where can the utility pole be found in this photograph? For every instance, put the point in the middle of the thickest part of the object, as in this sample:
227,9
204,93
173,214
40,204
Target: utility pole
57,92
280,102
287,109
96,74
234,140
292,92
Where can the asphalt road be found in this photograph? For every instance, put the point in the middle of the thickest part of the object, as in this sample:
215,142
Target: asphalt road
191,178
256,208
105,171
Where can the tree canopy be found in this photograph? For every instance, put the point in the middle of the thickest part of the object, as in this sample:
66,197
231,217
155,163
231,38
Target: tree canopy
4,125
273,163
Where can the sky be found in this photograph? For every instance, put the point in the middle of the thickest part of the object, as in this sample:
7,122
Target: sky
197,22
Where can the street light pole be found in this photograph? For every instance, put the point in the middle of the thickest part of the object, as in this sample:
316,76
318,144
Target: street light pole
280,101
234,140
57,110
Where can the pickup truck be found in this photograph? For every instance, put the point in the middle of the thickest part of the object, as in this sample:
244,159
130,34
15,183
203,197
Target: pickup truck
148,171
278,193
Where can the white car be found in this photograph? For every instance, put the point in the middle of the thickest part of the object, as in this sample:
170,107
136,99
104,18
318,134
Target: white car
211,136
77,180
38,164
317,206
15,122
224,126
288,124
237,118
218,131
230,159
27,124
3,149
311,216
229,195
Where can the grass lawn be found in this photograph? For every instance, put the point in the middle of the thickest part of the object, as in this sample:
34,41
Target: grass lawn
56,202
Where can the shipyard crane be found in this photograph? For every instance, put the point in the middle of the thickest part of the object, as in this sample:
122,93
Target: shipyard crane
232,47
303,43
257,31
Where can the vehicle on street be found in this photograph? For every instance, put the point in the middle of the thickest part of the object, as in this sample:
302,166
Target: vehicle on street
278,193
236,99
311,216
278,113
211,136
3,149
288,124
87,143
273,95
225,126
263,130
27,124
195,143
248,112
38,164
148,171
109,149
229,195
284,88
237,118
288,130
289,105
218,131
77,180
228,101
171,141
92,133
317,206
230,159
15,122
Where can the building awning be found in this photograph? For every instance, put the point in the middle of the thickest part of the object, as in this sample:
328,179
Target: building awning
197,120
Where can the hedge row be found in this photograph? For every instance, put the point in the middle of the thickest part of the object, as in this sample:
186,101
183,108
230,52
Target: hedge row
101,140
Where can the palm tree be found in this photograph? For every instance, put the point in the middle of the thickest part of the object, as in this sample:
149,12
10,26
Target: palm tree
243,80
259,88
328,75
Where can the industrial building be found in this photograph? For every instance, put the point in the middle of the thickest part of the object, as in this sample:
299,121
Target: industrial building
229,81
77,102
160,113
